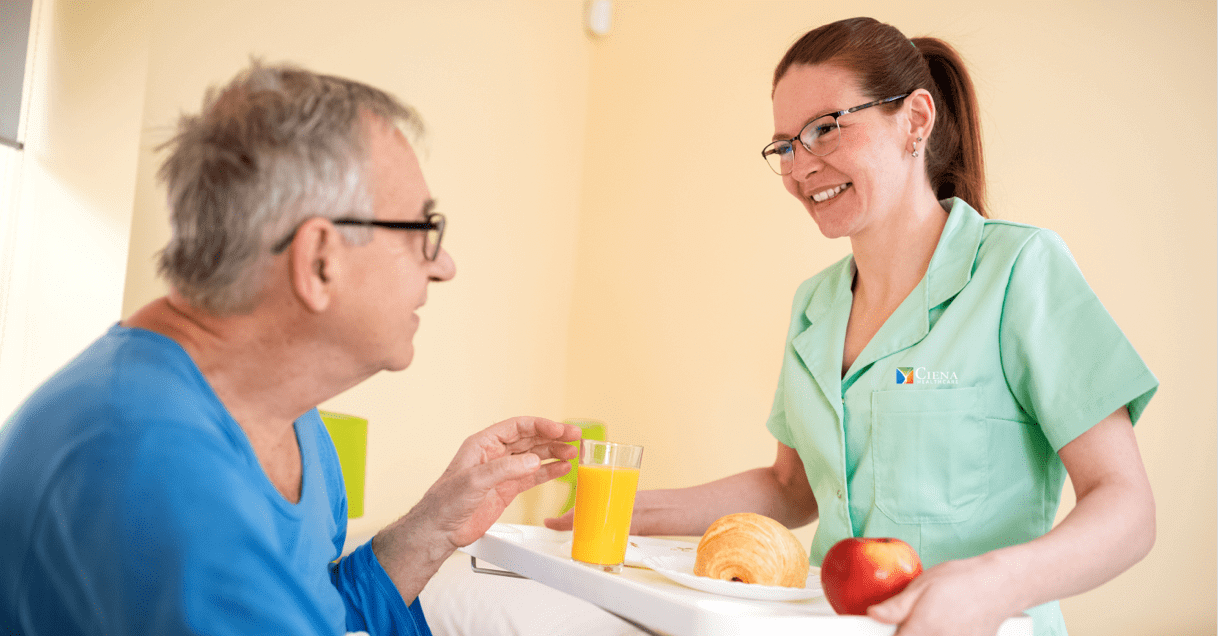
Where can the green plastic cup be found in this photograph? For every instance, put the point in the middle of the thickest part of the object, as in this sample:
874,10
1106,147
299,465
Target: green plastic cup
350,436
591,429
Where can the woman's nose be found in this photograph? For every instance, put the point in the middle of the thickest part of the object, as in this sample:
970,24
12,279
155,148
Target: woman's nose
803,163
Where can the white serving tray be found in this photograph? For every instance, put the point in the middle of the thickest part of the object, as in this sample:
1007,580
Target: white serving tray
653,602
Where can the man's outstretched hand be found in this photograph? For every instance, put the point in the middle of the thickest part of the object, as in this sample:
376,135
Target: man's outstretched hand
488,471
492,467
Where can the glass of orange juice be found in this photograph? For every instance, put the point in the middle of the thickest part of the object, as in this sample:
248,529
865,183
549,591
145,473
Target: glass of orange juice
606,480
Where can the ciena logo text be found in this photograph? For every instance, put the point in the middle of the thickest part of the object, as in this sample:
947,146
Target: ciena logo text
922,375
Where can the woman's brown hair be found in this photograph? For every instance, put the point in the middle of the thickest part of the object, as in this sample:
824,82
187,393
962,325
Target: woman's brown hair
887,63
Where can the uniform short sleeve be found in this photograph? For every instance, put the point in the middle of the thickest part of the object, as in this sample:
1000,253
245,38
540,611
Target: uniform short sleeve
1066,361
777,422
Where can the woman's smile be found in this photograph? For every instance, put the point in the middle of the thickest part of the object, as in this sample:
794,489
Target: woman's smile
829,193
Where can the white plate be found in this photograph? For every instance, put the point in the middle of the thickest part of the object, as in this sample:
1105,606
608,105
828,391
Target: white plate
640,548
680,569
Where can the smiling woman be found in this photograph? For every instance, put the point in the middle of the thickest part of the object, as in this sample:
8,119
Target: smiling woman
1009,372
868,170
920,463
887,63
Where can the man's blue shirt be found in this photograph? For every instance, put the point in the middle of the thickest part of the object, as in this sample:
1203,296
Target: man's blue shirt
132,503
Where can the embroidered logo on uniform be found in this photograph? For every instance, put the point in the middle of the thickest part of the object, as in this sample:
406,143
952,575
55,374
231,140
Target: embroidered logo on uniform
921,375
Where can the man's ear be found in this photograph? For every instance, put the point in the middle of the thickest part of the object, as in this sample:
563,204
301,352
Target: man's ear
921,113
314,261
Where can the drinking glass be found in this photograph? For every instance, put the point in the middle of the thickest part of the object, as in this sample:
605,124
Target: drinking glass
608,476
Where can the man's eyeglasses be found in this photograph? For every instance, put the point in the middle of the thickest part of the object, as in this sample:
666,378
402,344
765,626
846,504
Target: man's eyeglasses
434,226
820,137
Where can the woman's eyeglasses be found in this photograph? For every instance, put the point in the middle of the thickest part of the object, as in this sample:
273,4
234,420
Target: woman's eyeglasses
820,137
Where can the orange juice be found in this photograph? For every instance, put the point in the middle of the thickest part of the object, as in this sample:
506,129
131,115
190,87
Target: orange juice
604,501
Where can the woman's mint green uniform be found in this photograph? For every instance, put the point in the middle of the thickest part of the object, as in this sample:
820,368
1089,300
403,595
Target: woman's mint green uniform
944,431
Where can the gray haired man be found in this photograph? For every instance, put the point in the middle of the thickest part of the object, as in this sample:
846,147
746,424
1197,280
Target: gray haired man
175,478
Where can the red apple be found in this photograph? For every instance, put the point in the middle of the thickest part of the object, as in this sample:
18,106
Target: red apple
860,572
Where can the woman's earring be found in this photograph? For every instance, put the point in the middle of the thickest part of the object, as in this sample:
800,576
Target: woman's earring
915,150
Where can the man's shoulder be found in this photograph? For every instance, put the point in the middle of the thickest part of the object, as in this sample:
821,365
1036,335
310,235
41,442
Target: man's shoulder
124,367
123,424
128,385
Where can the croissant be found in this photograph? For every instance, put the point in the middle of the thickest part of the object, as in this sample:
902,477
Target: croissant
751,548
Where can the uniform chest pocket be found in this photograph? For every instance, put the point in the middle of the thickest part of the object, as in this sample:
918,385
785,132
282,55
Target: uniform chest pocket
931,454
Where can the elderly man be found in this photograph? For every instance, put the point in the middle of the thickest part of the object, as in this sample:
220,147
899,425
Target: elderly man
176,478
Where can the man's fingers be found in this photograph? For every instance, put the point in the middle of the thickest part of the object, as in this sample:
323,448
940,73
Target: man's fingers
511,467
555,450
519,433
554,469
540,475
556,430
517,436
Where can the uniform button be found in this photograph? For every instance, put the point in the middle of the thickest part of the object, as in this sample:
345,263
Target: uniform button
839,494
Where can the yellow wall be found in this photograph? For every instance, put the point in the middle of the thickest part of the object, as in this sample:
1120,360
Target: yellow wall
623,254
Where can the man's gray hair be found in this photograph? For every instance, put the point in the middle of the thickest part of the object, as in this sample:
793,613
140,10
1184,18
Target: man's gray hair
276,146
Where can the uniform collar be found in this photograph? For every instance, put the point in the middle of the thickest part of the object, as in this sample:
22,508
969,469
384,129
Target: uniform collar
833,291
951,266
820,346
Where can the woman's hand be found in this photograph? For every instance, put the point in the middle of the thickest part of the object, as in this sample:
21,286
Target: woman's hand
780,492
957,598
565,522
1111,527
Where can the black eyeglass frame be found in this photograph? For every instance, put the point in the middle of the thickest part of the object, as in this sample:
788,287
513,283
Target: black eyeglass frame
435,221
765,152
